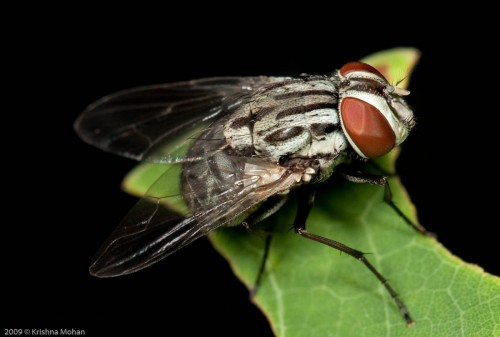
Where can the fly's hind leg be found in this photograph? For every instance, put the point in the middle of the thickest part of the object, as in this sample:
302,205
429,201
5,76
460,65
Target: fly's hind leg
305,205
359,177
269,207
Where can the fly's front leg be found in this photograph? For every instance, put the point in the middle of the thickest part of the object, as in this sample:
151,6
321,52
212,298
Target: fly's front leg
358,177
306,200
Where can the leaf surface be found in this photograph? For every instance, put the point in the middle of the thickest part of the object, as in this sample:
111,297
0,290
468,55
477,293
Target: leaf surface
309,289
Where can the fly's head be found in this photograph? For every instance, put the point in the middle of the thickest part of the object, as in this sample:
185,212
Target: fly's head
374,116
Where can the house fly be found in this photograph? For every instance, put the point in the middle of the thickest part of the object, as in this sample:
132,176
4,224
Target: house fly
248,141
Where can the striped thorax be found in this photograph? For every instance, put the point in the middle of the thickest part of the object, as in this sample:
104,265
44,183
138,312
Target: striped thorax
297,117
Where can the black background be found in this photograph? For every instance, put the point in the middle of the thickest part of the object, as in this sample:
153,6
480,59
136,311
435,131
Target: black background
66,199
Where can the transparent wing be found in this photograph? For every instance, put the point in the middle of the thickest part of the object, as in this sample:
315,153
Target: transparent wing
152,231
145,123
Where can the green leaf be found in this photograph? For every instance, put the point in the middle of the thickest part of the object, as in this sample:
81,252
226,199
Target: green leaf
395,64
309,289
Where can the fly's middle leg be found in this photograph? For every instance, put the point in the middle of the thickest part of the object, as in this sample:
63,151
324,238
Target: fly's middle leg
306,200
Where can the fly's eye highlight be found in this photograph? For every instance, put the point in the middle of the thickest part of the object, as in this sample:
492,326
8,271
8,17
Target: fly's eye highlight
367,128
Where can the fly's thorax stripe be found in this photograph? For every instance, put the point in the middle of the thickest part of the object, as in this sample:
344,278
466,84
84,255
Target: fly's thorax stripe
292,95
304,109
300,114
237,130
283,118
312,120
297,94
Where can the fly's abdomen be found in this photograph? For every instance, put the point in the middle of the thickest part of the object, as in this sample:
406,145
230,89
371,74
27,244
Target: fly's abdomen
223,176
205,181
293,117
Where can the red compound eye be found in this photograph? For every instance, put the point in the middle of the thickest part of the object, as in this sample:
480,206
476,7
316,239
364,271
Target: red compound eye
359,66
367,127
